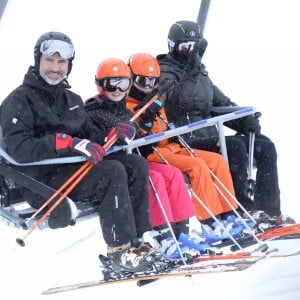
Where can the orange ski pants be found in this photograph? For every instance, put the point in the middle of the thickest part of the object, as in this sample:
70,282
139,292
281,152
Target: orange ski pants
202,182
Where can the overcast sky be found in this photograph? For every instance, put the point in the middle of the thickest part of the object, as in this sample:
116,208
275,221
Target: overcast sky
253,53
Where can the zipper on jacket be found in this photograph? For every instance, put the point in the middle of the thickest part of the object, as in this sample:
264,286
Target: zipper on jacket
189,122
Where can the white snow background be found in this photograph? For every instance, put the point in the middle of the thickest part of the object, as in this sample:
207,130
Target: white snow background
253,55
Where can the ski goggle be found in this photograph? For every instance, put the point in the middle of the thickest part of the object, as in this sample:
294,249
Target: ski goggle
114,83
145,81
186,46
50,47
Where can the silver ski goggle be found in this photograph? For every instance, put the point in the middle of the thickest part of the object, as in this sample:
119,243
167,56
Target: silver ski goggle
111,84
50,47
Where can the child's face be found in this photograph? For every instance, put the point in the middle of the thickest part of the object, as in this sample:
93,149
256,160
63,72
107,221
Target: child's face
116,95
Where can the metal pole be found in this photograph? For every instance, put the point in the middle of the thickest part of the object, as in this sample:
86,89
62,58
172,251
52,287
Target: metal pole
2,7
202,15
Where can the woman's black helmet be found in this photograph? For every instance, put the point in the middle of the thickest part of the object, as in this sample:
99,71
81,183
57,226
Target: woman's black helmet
182,31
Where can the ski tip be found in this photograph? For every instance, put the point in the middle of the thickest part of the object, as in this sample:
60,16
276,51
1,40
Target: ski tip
20,242
146,281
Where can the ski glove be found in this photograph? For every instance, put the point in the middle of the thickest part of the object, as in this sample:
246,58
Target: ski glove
92,151
147,118
194,66
125,131
251,124
201,47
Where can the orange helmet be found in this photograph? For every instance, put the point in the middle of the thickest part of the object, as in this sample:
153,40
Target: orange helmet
113,68
146,71
144,64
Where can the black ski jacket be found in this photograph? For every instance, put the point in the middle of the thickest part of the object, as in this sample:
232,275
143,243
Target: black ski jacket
34,112
106,113
190,97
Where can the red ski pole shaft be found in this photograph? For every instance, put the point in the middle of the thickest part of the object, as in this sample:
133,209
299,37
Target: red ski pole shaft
144,108
74,180
69,181
68,186
57,202
57,192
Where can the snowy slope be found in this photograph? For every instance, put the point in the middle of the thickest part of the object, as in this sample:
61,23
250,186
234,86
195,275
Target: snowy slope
65,256
253,55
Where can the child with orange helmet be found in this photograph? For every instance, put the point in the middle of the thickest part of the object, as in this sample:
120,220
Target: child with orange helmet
113,82
108,108
146,73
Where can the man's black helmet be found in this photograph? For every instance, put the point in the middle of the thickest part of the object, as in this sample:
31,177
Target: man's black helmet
49,43
182,31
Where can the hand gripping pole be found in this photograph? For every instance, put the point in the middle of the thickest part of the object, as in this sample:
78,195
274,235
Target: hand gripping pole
73,181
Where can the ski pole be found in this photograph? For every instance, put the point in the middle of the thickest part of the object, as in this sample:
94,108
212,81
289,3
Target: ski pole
202,203
167,220
57,192
251,181
74,180
222,194
157,197
84,169
192,153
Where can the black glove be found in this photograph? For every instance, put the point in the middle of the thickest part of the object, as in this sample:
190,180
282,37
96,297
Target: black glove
92,151
125,131
146,99
251,124
201,47
193,65
147,118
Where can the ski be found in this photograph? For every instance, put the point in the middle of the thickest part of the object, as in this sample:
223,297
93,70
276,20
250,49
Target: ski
180,271
226,263
243,255
282,232
213,264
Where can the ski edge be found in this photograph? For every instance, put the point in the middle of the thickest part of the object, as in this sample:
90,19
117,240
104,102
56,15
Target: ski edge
198,268
185,271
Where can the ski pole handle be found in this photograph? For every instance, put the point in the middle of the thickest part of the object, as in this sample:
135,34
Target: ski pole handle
144,108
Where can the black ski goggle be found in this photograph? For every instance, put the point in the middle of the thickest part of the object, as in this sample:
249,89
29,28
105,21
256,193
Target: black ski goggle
112,84
145,81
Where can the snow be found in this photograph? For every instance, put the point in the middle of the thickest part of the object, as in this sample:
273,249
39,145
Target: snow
253,56
66,256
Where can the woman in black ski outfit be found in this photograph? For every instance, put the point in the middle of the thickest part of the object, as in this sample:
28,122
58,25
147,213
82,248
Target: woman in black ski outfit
191,97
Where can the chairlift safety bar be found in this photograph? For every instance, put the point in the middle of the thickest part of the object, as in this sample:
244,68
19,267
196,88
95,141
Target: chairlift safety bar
218,121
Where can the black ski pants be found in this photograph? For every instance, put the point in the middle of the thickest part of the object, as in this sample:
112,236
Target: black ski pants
120,183
266,193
